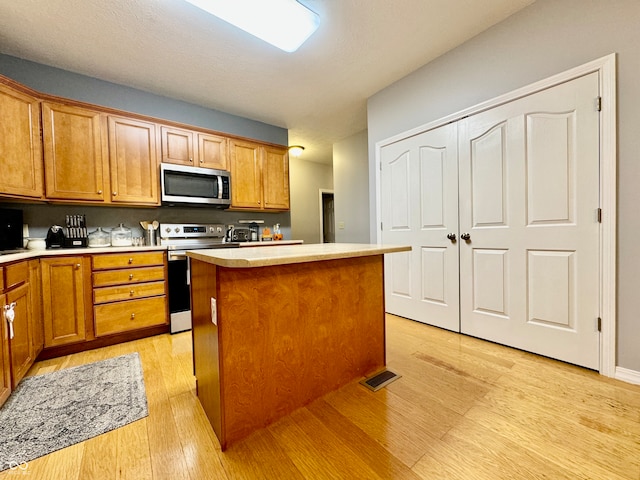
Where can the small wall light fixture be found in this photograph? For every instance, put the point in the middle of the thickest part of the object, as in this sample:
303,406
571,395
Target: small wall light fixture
296,150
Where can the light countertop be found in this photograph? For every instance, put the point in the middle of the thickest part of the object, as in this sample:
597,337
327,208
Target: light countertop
285,254
53,252
272,243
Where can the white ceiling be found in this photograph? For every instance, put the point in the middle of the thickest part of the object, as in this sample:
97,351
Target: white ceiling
172,48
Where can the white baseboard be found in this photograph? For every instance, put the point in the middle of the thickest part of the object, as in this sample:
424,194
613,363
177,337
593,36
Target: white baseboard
626,375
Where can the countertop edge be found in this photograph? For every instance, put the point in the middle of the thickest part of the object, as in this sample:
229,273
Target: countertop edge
272,257
54,252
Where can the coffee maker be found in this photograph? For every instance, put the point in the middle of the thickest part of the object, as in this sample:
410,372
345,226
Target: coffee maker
55,237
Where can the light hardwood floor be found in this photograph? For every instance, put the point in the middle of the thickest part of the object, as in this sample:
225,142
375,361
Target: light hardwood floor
463,409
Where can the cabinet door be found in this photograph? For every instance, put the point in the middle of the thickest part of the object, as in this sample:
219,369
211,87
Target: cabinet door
5,364
63,300
275,178
75,153
21,345
133,157
20,145
177,146
246,175
35,294
212,151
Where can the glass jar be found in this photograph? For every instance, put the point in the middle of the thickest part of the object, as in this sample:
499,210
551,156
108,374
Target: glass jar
121,236
99,238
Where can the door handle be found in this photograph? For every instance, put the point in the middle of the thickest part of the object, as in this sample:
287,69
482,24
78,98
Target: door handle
452,237
466,237
10,315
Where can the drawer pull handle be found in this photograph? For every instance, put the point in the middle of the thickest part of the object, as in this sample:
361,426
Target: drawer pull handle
77,265
131,276
131,293
130,260
133,316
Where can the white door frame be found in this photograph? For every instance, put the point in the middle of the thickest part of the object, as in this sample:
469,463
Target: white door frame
320,192
606,68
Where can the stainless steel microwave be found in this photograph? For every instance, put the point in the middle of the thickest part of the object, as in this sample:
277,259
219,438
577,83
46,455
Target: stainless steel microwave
183,184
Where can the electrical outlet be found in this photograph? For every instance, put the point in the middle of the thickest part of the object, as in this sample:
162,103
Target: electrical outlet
341,225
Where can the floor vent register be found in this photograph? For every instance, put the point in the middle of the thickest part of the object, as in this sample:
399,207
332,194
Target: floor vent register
379,380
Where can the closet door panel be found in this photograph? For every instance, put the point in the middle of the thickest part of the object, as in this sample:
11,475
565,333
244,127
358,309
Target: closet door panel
420,208
542,153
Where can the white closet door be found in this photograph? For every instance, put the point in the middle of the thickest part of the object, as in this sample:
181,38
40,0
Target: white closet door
529,194
419,198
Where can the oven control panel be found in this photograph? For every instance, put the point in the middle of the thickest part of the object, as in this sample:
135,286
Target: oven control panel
192,230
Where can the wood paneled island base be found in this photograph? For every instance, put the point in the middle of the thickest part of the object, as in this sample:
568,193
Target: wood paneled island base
283,335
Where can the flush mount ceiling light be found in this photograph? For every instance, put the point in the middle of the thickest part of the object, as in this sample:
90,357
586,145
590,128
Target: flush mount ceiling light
285,24
296,150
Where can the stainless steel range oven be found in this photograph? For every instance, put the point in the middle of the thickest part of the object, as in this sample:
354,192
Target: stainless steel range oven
179,238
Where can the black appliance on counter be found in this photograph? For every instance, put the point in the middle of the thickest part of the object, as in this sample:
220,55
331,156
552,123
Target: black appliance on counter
10,229
55,237
74,235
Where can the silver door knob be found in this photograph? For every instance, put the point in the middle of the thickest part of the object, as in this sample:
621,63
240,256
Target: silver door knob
452,237
466,237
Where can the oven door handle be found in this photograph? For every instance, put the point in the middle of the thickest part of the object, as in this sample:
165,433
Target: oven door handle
175,255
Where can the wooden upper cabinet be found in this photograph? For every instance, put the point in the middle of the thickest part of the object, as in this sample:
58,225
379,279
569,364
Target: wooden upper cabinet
246,177
259,176
212,151
177,146
134,161
20,145
75,153
275,178
187,147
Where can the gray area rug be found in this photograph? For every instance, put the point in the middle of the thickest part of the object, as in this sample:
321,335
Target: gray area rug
52,411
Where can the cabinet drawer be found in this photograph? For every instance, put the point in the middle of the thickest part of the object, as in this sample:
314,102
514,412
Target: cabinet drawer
127,292
127,260
130,315
16,273
128,276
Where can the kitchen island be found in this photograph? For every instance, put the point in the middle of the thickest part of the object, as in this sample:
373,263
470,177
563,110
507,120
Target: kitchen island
276,328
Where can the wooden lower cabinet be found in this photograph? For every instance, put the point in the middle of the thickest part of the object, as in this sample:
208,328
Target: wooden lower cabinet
35,294
20,344
17,350
121,317
94,300
129,292
65,281
5,363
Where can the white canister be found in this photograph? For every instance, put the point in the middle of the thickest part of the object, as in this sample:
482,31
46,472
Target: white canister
37,244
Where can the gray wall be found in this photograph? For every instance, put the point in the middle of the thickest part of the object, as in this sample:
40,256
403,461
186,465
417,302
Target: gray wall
67,84
306,179
350,183
79,87
546,38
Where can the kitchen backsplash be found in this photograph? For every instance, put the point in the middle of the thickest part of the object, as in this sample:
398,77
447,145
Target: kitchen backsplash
40,217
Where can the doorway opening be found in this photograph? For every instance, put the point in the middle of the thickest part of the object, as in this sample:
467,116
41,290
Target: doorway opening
327,217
